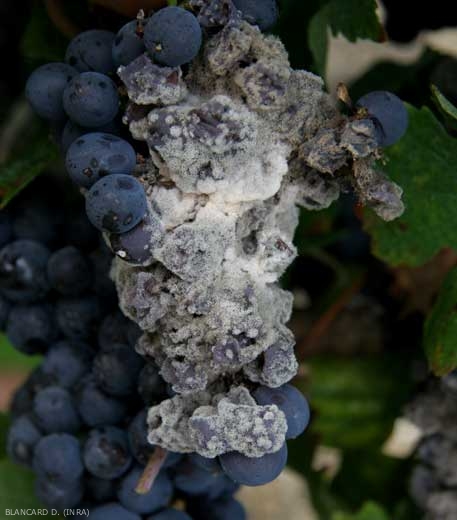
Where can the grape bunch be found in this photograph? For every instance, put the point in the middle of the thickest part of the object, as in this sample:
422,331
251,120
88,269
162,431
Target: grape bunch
433,483
197,195
79,420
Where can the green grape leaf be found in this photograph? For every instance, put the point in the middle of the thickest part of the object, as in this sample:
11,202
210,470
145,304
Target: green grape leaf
19,171
440,331
353,18
36,48
355,403
423,164
369,511
445,106
12,359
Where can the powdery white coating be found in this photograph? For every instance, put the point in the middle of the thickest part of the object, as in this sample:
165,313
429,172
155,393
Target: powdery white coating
149,84
224,422
233,426
233,152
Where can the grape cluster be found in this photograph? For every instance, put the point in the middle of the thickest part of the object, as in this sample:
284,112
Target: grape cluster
79,420
433,483
198,201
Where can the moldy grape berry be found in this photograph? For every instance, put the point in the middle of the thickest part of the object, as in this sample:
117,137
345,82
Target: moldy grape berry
389,114
198,199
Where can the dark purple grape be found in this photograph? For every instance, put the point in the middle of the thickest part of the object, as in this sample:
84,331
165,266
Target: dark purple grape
113,330
91,51
211,465
151,387
58,495
106,453
54,411
112,511
388,113
170,514
226,508
116,370
128,44
173,36
116,203
154,500
67,362
253,471
100,489
23,271
95,155
45,87
72,131
291,402
91,100
69,272
192,479
138,439
22,401
22,438
95,407
31,328
263,13
58,458
137,245
78,317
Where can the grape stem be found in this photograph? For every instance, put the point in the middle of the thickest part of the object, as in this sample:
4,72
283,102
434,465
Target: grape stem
59,18
151,470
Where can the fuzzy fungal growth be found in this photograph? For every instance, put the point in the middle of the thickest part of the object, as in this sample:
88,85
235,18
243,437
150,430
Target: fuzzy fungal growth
199,200
238,141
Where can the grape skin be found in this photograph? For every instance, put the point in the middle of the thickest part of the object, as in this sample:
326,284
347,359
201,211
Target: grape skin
290,401
116,203
388,112
58,495
127,45
91,51
116,370
96,155
54,411
263,13
106,454
95,407
45,87
57,457
31,328
69,272
23,271
91,100
170,514
254,471
66,362
154,500
112,512
22,438
173,36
